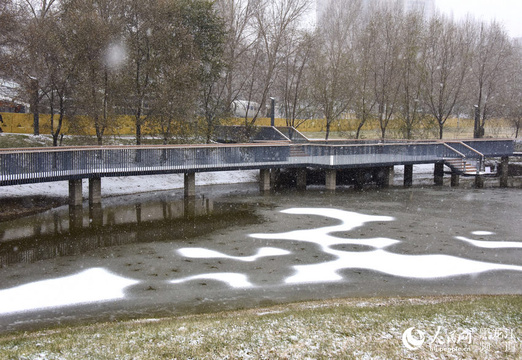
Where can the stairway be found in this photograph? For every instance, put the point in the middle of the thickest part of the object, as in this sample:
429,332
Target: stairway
461,166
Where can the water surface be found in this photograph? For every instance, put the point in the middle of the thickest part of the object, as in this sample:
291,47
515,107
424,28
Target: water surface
158,254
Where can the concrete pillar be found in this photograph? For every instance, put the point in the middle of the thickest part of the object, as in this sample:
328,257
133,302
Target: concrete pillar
385,176
479,182
331,179
301,179
94,191
438,174
190,184
75,192
360,178
455,180
504,171
265,183
408,175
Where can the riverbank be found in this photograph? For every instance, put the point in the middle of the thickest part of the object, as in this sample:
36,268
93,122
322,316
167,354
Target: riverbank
456,327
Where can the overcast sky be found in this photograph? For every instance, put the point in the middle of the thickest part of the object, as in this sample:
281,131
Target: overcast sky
508,12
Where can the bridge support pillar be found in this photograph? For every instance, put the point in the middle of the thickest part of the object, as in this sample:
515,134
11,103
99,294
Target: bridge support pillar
190,184
361,178
504,171
301,179
408,175
455,180
94,191
438,174
75,192
385,176
331,179
265,183
479,182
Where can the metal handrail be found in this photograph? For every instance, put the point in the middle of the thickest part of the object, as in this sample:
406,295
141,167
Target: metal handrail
455,150
18,166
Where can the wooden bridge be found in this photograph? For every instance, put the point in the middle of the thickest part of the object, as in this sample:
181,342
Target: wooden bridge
34,165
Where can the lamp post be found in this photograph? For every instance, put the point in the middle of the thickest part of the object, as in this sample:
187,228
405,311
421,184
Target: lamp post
272,111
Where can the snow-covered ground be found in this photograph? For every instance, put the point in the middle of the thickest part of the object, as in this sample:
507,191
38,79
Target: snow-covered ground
114,186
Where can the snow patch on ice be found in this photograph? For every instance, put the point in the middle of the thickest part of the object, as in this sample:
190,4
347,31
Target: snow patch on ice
234,280
409,266
89,286
201,253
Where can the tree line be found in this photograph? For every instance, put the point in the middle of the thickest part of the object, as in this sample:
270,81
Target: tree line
183,65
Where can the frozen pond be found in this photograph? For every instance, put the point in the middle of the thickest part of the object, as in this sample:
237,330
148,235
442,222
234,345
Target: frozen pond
157,254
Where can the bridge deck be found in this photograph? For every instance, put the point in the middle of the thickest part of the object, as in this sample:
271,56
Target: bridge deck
22,166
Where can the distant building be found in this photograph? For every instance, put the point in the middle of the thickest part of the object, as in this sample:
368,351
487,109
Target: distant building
427,7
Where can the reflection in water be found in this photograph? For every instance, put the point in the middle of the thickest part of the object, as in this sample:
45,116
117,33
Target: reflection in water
163,223
93,285
51,235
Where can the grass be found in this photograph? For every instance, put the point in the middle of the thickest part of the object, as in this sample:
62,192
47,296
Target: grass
472,327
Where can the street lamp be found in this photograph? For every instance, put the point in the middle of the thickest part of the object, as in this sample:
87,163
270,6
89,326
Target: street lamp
272,112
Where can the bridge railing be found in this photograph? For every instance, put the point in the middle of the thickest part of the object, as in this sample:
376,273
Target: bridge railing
375,154
18,166
61,164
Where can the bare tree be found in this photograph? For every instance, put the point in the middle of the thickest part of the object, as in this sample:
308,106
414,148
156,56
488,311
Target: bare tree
95,36
291,80
411,60
26,65
490,56
512,104
274,23
387,77
60,63
364,99
447,59
332,65
7,32
238,17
